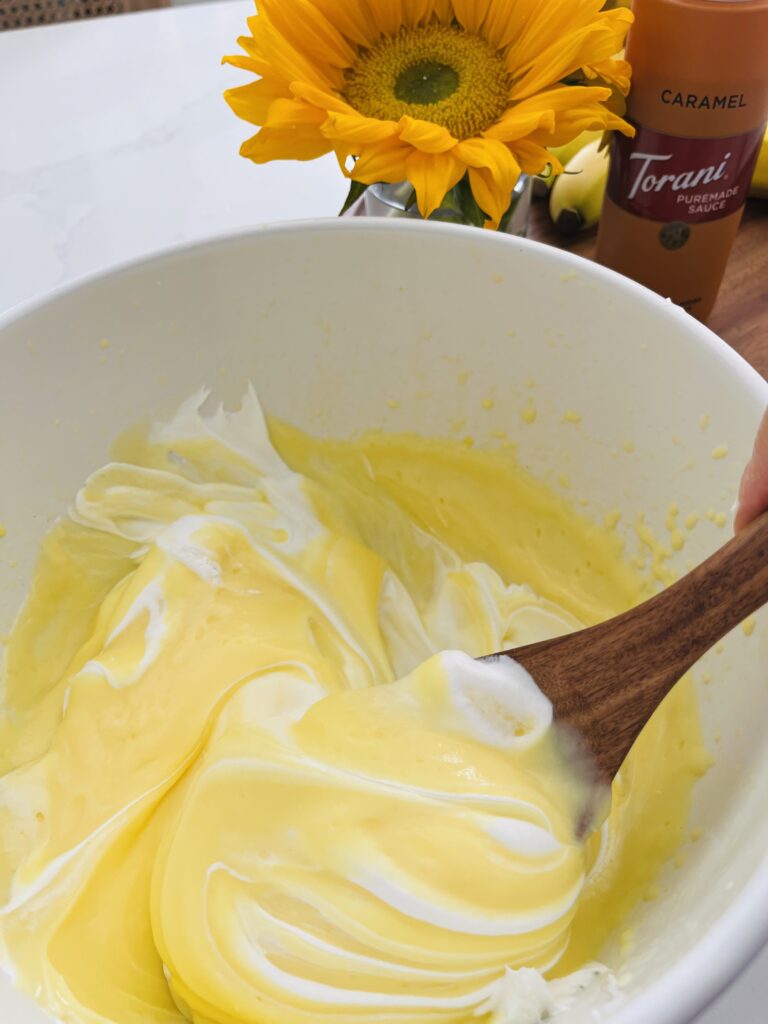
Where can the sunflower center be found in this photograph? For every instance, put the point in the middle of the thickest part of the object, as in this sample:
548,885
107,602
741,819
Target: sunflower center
426,82
437,73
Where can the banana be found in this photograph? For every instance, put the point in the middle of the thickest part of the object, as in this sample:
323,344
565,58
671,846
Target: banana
577,195
541,186
570,149
758,189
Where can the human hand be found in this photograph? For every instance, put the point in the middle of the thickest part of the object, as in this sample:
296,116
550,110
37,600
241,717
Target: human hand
753,490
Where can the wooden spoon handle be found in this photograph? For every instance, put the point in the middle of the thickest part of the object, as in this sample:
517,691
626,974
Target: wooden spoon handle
608,680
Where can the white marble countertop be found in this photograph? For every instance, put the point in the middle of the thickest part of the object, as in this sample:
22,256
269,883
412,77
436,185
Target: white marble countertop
115,141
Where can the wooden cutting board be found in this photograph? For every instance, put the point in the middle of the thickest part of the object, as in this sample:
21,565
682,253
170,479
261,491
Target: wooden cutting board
741,313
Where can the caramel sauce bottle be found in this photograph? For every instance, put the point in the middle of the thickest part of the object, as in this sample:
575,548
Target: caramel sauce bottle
699,102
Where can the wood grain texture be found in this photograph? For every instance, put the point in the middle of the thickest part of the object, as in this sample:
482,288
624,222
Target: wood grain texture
740,316
606,681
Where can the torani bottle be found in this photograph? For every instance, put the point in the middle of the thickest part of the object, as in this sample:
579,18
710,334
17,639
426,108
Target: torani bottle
699,102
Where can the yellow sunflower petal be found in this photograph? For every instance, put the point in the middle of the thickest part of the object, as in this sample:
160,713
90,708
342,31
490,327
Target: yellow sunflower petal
518,123
252,102
488,196
521,119
352,18
595,42
237,60
552,65
506,21
285,113
575,122
287,61
617,72
385,162
544,23
470,14
556,166
388,16
321,98
588,111
432,175
562,98
417,12
343,152
492,155
257,61
307,29
493,173
358,130
443,11
532,157
261,33
400,14
250,43
304,143
425,136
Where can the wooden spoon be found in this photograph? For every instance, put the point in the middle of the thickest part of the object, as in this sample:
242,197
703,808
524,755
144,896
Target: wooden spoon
606,681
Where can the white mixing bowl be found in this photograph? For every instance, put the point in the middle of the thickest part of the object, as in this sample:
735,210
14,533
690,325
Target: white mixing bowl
334,320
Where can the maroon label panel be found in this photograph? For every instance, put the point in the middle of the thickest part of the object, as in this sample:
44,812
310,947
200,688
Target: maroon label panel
665,178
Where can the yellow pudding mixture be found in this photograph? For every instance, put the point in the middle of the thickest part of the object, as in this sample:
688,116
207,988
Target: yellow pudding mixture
247,775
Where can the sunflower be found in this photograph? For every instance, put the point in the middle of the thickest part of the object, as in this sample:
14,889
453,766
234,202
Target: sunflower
428,91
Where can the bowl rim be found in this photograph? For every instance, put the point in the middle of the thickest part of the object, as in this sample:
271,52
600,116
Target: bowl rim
721,954
364,224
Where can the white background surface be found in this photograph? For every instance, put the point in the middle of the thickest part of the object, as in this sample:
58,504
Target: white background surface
115,141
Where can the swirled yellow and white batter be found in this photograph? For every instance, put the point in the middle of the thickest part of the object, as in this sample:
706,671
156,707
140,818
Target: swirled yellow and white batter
239,784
